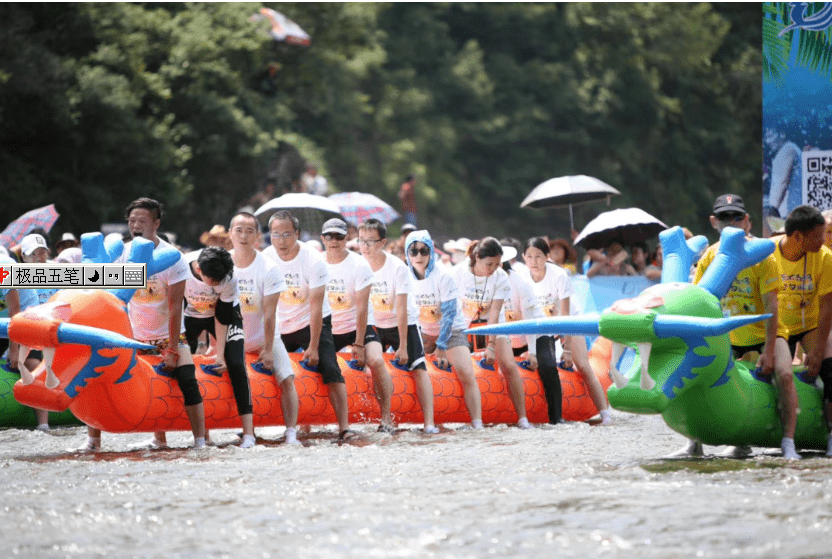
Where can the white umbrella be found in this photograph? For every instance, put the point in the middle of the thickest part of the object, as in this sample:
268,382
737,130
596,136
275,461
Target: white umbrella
628,226
560,192
312,211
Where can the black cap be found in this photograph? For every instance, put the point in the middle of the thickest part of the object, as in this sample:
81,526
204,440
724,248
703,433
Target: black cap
729,203
334,225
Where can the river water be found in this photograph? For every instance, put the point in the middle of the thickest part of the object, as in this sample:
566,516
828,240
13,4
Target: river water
571,490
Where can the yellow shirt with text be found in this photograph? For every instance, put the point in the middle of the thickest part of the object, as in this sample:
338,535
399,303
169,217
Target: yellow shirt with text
800,296
746,297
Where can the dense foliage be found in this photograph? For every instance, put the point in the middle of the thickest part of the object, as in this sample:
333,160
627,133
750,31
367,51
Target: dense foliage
103,102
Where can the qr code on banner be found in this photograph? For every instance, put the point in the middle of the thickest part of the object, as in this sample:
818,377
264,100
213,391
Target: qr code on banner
817,179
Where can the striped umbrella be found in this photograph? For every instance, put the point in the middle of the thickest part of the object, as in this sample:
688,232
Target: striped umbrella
361,206
44,217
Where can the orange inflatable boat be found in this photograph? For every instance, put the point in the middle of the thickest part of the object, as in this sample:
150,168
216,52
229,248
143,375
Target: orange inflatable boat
92,367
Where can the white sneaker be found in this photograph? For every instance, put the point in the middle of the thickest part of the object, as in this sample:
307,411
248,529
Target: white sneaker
152,444
431,429
92,445
43,428
741,451
606,417
789,452
199,443
248,441
291,436
691,450
523,423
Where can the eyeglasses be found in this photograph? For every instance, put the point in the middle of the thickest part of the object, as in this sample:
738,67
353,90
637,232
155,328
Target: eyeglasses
286,235
369,242
413,251
334,237
735,217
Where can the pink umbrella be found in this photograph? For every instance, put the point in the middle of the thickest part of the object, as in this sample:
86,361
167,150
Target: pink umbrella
44,217
283,28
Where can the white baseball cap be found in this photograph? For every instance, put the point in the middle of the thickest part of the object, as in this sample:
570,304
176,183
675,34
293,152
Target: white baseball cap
31,243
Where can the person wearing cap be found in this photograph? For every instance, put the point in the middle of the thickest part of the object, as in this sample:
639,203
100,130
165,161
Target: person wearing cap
35,250
754,291
68,240
156,317
216,237
348,290
260,283
458,249
394,312
553,289
13,301
805,302
304,311
440,318
483,288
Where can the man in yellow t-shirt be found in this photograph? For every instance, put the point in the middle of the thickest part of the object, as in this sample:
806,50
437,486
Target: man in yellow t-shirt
806,298
755,291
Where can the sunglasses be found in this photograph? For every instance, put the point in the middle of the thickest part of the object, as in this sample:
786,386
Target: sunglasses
424,251
735,217
334,236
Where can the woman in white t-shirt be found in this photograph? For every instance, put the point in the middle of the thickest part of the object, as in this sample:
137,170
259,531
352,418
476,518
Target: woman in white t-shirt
483,286
441,319
553,288
538,350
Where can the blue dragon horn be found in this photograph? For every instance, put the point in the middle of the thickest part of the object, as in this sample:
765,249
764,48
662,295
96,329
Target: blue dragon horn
679,254
735,254
141,252
570,325
671,326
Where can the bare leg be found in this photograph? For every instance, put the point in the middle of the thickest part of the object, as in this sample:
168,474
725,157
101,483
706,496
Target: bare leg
382,382
505,358
577,344
289,401
785,382
460,358
338,399
196,415
424,389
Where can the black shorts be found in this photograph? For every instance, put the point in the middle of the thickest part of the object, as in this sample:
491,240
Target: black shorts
389,337
35,354
794,340
196,326
740,350
327,360
348,338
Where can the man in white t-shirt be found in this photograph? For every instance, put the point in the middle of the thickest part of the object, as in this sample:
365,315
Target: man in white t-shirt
156,317
304,312
348,290
260,284
395,314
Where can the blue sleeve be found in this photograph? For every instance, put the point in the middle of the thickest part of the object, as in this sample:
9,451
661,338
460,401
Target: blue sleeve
448,309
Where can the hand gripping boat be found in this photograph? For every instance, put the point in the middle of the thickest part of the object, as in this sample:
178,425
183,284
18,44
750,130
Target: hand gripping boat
92,366
684,369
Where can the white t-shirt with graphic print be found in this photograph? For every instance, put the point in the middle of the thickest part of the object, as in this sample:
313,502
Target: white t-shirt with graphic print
306,271
148,309
392,279
346,278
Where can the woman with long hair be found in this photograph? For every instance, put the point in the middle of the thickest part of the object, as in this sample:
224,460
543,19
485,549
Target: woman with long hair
483,286
553,288
539,351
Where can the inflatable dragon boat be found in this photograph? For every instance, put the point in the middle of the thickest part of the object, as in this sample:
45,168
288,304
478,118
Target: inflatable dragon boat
684,369
93,367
